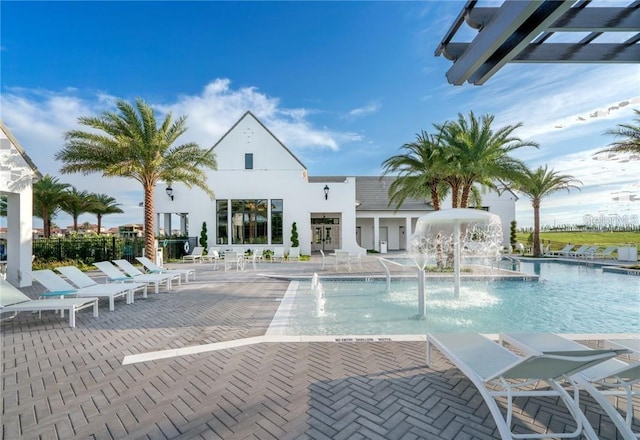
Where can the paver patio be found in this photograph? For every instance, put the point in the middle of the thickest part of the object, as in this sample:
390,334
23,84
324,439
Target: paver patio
63,383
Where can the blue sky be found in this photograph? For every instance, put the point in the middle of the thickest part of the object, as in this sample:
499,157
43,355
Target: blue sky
343,84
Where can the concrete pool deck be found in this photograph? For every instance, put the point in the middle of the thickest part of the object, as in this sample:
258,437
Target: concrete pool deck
63,383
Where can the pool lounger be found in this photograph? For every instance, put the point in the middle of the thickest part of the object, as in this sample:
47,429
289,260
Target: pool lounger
14,301
499,372
612,377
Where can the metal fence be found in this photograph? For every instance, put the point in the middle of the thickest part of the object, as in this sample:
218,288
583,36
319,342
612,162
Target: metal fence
105,248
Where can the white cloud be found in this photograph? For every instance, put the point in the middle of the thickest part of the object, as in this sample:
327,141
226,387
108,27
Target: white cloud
39,119
359,112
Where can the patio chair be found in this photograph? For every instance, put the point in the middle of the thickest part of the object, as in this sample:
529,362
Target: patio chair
195,256
232,258
259,254
213,256
151,267
115,275
326,259
55,283
611,377
294,254
342,258
140,276
498,373
278,254
14,301
82,280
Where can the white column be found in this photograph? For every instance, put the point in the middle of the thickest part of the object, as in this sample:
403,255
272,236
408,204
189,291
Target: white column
183,224
167,223
408,233
19,237
376,233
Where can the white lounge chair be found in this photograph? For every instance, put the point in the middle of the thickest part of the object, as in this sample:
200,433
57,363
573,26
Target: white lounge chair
612,377
499,372
14,301
294,254
607,252
578,251
140,276
562,252
151,267
195,256
278,255
589,252
115,275
82,280
55,283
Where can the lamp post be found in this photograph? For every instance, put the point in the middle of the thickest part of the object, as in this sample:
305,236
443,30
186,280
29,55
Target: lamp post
326,192
170,192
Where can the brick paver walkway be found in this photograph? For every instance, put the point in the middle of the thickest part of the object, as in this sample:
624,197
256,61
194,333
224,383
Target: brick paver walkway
63,383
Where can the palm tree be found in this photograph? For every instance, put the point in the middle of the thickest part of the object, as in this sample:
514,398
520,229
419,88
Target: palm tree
76,204
630,134
476,154
104,205
537,185
130,144
419,171
48,196
3,206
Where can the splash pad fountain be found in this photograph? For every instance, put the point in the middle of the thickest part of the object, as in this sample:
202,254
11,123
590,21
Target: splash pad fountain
448,237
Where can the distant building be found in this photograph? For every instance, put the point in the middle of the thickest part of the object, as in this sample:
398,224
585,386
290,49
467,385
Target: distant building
130,231
262,188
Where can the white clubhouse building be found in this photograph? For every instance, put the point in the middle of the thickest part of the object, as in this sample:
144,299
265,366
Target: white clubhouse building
261,188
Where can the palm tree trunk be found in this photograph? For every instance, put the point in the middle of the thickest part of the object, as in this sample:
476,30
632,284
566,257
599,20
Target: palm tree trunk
149,224
46,228
75,223
464,200
537,252
99,222
435,198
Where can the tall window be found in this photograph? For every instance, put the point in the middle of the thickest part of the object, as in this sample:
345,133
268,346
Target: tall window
276,221
248,161
249,221
222,209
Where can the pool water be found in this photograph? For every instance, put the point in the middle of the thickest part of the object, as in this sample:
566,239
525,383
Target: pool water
566,299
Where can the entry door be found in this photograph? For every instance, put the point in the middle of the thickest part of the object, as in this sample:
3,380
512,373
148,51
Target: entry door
325,237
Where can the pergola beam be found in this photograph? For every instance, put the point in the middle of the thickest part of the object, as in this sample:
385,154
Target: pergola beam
567,52
579,53
511,29
600,19
518,31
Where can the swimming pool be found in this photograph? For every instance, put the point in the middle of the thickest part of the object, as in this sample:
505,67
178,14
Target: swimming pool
566,299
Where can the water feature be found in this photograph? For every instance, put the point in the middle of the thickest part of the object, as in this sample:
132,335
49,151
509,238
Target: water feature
446,238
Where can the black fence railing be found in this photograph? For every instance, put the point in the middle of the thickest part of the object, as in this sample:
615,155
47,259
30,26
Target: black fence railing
105,248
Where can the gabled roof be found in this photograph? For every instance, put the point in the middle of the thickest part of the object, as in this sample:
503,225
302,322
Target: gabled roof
20,150
249,114
372,194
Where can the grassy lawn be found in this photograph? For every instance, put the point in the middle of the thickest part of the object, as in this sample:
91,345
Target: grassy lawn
559,239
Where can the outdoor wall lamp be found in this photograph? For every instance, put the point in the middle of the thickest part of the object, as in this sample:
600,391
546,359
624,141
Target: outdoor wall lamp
170,192
326,192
